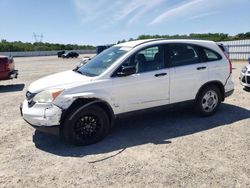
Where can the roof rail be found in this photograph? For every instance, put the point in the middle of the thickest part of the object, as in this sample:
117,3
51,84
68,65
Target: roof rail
149,40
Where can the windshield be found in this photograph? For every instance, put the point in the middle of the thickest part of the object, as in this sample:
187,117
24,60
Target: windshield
103,61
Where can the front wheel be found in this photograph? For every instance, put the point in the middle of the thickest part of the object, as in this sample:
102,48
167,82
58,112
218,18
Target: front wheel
208,101
86,126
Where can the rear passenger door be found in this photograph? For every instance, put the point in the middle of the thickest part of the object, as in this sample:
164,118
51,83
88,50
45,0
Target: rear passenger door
187,71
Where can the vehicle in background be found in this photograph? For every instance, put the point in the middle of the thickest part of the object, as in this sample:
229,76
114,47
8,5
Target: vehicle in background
7,68
70,55
99,49
60,53
245,76
82,104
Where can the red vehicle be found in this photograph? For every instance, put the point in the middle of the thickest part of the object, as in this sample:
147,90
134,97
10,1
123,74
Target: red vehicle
7,68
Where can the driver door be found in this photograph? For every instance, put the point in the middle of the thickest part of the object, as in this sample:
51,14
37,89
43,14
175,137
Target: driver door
148,87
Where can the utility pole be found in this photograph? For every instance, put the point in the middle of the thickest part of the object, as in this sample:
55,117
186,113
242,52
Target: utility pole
38,38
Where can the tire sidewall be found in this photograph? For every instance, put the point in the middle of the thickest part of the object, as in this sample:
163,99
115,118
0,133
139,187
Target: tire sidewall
199,108
68,128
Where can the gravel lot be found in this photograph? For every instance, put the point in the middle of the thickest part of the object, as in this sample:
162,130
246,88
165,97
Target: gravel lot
168,148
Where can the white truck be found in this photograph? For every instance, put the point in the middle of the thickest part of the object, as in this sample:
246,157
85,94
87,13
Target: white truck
82,104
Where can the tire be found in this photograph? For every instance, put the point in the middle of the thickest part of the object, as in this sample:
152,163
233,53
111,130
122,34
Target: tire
86,126
208,100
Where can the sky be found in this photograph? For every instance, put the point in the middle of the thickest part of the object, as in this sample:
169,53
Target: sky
97,22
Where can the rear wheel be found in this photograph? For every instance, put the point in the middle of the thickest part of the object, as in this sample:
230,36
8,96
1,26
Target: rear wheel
86,126
208,100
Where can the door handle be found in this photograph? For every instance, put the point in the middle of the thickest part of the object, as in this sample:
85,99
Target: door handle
160,74
201,68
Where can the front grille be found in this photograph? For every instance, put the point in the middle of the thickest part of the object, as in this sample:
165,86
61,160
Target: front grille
243,79
246,79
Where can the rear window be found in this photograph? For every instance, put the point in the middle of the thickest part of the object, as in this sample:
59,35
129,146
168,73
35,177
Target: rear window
211,55
183,54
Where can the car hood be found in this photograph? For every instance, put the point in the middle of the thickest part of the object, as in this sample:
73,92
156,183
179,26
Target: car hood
63,80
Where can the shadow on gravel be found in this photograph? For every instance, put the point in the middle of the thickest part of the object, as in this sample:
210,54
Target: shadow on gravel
247,89
11,88
156,127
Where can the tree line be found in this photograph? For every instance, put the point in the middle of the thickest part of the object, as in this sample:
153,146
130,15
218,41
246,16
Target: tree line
206,36
18,46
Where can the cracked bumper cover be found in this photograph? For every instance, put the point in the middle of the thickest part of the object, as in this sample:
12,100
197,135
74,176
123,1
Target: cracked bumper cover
44,117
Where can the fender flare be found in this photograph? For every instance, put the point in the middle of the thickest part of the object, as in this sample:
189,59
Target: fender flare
216,83
92,101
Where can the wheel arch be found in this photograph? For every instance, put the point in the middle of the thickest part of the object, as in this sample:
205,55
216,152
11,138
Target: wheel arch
81,103
216,83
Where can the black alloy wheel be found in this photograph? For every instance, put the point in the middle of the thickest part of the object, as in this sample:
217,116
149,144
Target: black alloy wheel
86,126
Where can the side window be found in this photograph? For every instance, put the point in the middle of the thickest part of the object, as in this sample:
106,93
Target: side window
211,55
149,59
183,54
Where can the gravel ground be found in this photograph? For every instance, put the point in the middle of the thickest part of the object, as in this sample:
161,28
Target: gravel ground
168,148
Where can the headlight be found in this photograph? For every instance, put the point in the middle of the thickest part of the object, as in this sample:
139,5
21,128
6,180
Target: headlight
47,95
244,70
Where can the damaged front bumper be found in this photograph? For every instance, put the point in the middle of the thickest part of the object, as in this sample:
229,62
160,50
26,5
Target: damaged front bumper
44,117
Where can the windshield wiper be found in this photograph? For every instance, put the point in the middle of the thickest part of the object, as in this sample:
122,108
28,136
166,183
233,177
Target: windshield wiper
83,73
76,70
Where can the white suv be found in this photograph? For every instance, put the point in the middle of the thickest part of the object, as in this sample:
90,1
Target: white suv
81,104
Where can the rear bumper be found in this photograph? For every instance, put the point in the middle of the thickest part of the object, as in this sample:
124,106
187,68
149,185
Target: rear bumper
9,75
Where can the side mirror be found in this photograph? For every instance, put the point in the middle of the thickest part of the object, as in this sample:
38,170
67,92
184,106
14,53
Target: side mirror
126,71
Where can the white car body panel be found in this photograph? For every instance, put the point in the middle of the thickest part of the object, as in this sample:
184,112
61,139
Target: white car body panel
217,70
183,78
141,91
42,114
98,89
63,79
